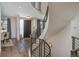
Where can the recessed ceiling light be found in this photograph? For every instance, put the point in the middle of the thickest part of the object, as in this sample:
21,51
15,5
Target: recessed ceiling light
29,17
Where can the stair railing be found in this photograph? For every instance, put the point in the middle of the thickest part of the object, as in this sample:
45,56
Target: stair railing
75,47
75,42
42,49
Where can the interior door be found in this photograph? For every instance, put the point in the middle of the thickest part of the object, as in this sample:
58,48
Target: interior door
27,28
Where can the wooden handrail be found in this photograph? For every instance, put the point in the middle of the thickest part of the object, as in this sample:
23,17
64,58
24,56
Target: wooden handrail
73,50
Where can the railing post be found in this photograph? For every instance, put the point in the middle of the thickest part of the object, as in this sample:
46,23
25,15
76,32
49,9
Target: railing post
44,49
50,53
40,48
75,53
73,42
31,45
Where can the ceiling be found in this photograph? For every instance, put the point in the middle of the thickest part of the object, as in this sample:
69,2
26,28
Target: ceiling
60,14
21,9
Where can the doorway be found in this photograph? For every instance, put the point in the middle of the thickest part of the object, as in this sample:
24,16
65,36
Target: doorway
27,28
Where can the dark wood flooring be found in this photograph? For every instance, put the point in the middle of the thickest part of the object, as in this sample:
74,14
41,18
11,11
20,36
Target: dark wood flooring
20,48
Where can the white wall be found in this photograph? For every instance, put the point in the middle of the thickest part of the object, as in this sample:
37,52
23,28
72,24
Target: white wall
18,28
75,25
13,28
21,28
61,42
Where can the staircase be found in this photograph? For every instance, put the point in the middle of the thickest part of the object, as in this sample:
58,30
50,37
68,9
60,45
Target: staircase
75,47
39,47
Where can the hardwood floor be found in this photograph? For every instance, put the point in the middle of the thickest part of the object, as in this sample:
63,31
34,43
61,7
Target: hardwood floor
9,52
19,49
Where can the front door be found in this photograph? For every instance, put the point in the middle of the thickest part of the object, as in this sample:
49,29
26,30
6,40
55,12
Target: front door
27,28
